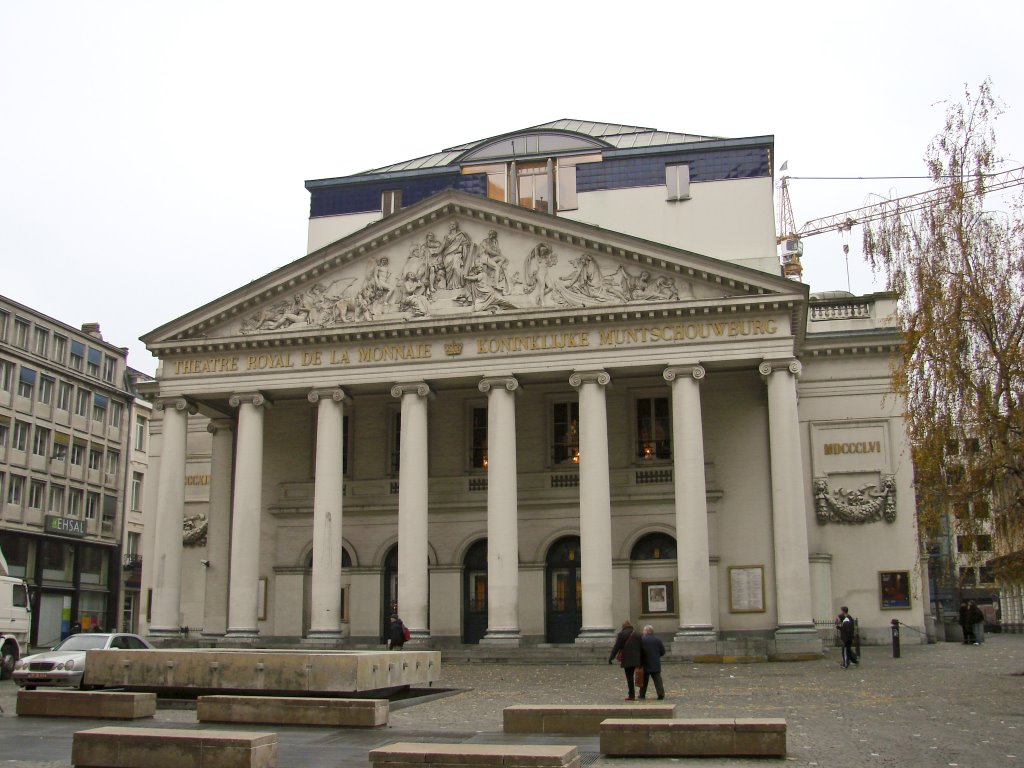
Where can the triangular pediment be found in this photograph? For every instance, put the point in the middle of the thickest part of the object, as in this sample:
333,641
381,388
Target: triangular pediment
456,258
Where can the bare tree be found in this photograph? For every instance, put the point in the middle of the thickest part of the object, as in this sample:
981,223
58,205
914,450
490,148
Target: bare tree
958,269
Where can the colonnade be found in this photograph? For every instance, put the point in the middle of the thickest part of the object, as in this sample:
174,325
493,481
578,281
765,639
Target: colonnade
238,592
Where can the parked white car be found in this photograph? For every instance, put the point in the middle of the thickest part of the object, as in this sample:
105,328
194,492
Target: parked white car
64,664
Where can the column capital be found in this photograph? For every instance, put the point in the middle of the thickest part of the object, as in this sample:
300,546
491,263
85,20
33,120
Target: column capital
596,376
255,398
673,372
511,383
220,425
176,403
337,394
420,388
767,367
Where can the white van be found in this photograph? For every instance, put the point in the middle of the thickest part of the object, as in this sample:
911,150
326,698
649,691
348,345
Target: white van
15,619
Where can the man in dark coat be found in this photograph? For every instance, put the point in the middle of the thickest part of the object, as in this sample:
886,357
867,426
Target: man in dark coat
846,635
632,649
396,634
965,624
654,649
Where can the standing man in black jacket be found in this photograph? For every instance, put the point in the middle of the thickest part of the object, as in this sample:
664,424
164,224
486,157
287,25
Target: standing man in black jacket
846,633
654,649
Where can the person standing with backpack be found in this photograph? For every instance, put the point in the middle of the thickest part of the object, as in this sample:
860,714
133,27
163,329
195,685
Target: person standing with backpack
847,630
397,634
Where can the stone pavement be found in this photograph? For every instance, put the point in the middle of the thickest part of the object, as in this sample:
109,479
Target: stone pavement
938,705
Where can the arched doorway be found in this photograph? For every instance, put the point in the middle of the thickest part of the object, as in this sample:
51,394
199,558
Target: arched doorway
474,592
563,591
389,592
657,579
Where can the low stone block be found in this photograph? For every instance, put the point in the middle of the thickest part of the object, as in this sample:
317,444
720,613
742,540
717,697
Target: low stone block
116,747
287,710
439,755
113,705
694,737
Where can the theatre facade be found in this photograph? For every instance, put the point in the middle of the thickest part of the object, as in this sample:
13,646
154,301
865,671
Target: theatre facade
524,411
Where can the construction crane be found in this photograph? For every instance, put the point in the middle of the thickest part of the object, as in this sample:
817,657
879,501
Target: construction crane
791,238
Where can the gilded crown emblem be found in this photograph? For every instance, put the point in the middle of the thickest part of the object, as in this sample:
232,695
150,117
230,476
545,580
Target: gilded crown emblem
453,348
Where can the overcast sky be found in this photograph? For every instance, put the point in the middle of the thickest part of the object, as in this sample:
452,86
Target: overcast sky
152,155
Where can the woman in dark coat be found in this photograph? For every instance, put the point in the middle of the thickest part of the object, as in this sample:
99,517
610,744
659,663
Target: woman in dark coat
632,649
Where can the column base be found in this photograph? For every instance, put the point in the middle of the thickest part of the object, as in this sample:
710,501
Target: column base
164,633
596,636
325,635
695,641
240,637
797,641
506,638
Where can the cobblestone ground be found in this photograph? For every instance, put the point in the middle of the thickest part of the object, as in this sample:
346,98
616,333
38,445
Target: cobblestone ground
939,705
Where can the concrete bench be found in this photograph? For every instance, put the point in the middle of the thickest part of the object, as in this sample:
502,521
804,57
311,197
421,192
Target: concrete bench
702,737
575,718
406,754
285,710
114,705
122,747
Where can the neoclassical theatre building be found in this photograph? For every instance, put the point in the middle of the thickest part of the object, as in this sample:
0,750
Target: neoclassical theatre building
526,388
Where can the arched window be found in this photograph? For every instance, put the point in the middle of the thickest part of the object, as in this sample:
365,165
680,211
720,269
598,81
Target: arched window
654,546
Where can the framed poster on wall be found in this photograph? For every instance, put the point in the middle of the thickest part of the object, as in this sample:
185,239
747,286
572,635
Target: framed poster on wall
657,598
261,599
746,589
894,588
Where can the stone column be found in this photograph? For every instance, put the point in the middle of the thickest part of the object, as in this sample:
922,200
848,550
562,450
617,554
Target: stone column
170,515
502,513
789,513
325,611
694,594
413,577
245,519
218,527
595,508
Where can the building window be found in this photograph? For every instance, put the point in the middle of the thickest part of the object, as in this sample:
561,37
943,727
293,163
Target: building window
75,498
653,429
116,411
968,577
77,355
26,383
654,546
396,441
99,409
109,368
46,385
390,201
4,430
15,490
136,491
113,459
60,348
82,401
565,442
60,446
478,438
6,375
985,575
141,428
677,182
41,442
95,458
92,505
533,185
36,494
19,439
92,366
56,499
21,332
965,543
5,318
41,341
64,391
77,453
983,541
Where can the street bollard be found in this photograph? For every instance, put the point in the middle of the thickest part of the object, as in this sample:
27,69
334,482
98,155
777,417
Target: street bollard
895,638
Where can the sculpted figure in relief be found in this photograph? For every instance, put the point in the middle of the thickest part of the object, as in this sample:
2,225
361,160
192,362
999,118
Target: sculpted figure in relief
537,273
486,281
455,253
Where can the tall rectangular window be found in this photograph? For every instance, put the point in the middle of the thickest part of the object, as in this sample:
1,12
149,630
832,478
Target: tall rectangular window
99,409
677,182
95,458
15,490
41,341
21,328
77,355
60,348
478,438
26,383
141,429
136,491
109,368
6,375
116,411
19,438
78,453
64,391
76,499
82,401
46,385
390,201
5,319
92,505
113,460
61,442
92,366
56,506
5,429
396,441
36,494
565,438
41,442
653,428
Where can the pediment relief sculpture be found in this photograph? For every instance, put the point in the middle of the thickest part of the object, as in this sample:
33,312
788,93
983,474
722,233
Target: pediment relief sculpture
451,274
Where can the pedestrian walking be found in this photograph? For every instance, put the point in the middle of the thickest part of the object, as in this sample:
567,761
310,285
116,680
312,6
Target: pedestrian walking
965,625
977,621
654,649
846,635
397,633
629,650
